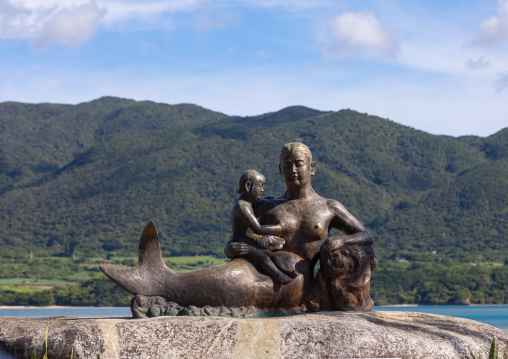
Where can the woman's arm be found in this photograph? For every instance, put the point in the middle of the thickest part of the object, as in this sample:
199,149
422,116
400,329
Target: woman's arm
354,231
337,242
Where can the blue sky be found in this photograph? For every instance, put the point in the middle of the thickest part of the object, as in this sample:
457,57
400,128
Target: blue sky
437,66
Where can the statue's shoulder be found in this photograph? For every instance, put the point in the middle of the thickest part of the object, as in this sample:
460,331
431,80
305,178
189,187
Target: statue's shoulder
335,206
265,204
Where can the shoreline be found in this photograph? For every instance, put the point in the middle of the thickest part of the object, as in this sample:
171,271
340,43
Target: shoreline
443,305
389,305
50,307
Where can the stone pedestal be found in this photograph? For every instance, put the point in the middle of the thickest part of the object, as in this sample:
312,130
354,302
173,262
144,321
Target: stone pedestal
318,335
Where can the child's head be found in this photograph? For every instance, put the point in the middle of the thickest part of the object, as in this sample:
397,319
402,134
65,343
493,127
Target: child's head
251,185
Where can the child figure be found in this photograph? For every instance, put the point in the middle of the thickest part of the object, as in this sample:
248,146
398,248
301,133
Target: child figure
250,188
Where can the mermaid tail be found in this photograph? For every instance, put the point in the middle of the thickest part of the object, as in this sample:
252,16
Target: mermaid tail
232,284
150,275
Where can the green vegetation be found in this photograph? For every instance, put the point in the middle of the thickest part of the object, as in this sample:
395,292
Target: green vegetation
33,282
446,282
45,348
493,352
90,287
82,181
493,349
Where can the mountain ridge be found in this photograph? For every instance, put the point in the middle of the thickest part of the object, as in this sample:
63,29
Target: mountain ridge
92,188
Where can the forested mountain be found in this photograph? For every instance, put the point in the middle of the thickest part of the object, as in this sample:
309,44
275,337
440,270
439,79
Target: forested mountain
88,177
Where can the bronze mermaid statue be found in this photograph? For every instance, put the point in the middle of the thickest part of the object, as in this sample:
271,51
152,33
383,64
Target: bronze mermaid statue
239,287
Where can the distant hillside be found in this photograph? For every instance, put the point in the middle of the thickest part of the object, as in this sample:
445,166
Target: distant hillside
88,177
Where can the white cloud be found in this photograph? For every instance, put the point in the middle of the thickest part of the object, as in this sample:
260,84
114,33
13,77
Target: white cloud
262,54
146,47
146,10
289,4
357,34
71,22
494,30
502,81
71,27
68,23
207,20
438,107
478,64
25,19
17,20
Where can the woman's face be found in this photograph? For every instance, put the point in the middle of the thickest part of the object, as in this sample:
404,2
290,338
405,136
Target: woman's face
295,168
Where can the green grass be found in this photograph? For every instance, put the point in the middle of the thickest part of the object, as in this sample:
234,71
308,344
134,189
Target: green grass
189,263
81,276
179,263
95,260
195,259
33,282
486,264
18,289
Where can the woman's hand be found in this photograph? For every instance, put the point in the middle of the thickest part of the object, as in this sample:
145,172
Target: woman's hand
332,244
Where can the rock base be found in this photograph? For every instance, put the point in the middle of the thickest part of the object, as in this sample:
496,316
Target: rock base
155,306
318,335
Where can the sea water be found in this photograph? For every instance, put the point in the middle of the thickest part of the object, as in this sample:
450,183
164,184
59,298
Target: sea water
41,312
496,316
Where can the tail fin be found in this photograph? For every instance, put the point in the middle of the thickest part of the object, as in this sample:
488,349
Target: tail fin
149,276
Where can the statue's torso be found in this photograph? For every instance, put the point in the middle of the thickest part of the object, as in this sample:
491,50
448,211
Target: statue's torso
308,221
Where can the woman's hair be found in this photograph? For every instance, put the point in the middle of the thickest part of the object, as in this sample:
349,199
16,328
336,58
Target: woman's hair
249,175
347,274
295,147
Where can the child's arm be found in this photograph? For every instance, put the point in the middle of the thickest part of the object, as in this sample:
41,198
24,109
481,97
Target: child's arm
247,215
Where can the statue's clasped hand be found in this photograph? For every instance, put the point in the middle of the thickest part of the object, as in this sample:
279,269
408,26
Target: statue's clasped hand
272,242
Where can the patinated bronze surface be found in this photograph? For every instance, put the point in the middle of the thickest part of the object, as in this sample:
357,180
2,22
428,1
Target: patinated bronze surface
241,287
263,239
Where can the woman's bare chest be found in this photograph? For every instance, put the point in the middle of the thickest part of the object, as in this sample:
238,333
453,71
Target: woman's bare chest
307,220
